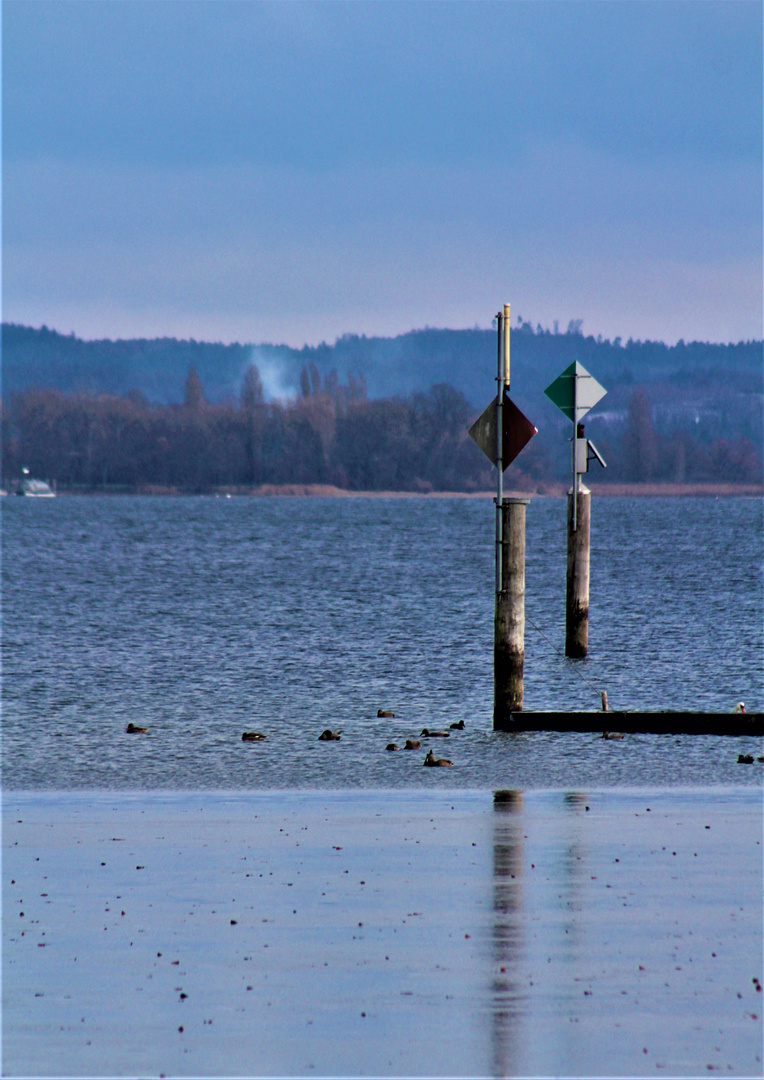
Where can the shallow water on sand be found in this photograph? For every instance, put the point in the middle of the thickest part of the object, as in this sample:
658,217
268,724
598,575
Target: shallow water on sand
200,618
607,933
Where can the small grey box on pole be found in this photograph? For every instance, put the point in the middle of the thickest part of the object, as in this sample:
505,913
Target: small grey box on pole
509,617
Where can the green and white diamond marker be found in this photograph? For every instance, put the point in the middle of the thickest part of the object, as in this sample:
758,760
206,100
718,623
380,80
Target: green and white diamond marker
575,386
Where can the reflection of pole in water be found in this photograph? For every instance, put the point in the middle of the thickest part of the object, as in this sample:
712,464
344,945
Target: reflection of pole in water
507,927
573,868
514,902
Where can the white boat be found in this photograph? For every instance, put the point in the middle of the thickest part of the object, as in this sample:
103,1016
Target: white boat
36,488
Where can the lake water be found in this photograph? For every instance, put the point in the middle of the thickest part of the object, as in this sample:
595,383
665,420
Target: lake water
200,618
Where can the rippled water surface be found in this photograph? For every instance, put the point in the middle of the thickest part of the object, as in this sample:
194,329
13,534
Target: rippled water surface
200,618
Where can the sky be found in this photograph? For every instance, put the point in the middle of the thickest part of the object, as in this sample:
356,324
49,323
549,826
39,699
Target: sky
290,172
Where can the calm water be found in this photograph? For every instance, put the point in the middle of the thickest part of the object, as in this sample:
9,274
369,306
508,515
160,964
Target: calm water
382,934
200,618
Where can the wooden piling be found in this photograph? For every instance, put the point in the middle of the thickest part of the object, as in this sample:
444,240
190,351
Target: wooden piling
509,620
577,591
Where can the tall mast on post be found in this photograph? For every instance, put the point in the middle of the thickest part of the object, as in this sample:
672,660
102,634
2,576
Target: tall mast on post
501,432
502,388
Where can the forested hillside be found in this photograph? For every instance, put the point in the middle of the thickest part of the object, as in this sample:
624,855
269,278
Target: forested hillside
366,412
402,365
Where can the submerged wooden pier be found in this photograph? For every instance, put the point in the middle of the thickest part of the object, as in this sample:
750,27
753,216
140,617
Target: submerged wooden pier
639,723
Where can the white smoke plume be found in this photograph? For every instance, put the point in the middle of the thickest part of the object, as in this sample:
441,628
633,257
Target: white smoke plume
279,383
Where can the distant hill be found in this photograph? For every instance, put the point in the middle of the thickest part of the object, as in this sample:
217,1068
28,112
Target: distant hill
710,390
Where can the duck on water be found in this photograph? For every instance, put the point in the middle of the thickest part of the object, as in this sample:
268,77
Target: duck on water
434,762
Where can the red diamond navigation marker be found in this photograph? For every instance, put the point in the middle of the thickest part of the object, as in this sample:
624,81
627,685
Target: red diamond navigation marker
517,431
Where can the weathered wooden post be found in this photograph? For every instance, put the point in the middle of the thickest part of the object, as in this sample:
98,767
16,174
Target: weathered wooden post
577,589
575,392
509,618
501,432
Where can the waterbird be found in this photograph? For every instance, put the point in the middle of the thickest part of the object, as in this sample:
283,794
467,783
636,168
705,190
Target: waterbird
386,713
328,736
740,707
457,727
133,729
412,744
745,759
434,734
252,736
435,762
392,746
611,735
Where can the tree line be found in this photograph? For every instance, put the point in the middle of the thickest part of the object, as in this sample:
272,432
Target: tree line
331,434
636,452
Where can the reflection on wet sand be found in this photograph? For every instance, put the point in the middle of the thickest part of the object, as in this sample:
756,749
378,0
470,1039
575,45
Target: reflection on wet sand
507,929
511,999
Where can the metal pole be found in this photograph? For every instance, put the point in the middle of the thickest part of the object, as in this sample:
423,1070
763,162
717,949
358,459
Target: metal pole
499,450
577,584
575,435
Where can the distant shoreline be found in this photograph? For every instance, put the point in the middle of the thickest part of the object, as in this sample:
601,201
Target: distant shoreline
546,490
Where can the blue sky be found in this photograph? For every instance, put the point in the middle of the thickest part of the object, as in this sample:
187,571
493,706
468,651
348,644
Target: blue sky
290,172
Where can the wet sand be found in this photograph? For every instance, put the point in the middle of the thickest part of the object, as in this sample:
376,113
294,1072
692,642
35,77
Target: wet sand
408,933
